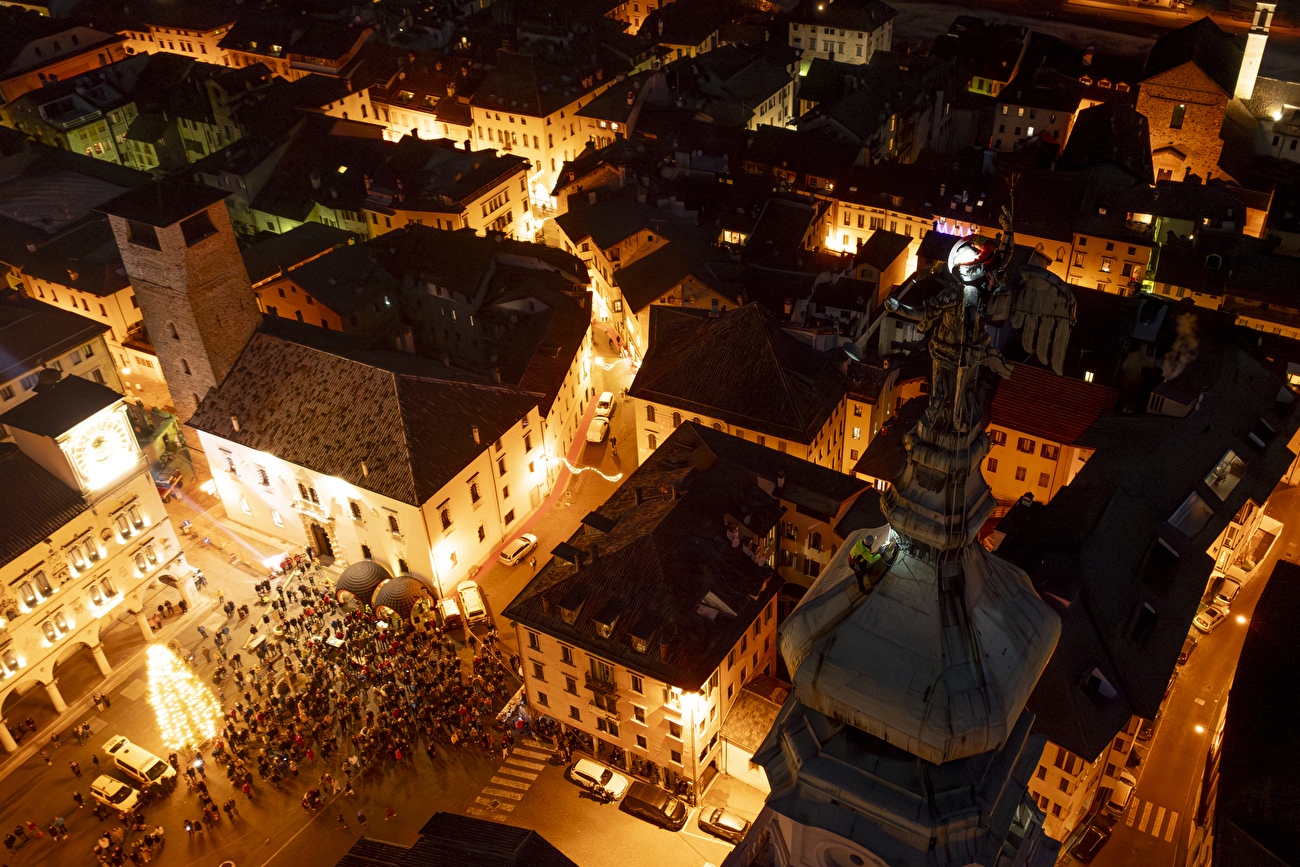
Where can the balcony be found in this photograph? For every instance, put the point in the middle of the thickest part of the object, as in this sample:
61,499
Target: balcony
600,685
604,711
307,507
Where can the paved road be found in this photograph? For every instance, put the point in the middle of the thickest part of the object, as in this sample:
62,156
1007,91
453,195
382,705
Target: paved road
1156,828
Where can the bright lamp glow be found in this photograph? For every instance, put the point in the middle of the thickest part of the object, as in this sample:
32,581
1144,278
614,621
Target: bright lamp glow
1241,618
187,713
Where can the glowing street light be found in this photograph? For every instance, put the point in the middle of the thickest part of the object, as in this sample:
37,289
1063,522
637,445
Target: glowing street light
1241,618
1200,730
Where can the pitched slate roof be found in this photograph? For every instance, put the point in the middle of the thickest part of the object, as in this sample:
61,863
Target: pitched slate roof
751,717
35,503
280,253
1214,52
32,332
330,413
882,248
1037,402
740,367
667,570
449,840
58,408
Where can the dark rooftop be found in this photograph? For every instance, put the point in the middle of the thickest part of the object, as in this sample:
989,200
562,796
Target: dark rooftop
57,409
741,367
278,254
162,203
32,332
1216,53
449,840
35,504
668,565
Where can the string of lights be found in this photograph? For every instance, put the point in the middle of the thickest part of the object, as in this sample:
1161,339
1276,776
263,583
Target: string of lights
187,711
576,470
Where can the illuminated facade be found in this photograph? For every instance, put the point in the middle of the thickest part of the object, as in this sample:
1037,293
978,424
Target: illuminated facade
86,534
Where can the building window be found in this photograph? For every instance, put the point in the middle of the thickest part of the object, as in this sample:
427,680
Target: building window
356,509
510,517
263,477
365,553
444,516
675,730
474,495
1078,260
1042,772
539,672
1049,451
675,756
543,700
1176,119
1026,445
482,533
393,526
652,442
993,465
998,437
275,516
402,568
573,713
566,654
243,504
1106,264
677,418
534,641
637,685
649,412
1020,474
1044,480
641,742
857,433
570,685
638,713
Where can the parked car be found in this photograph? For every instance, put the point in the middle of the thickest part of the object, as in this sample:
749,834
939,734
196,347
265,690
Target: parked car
1146,730
167,482
137,762
1227,592
605,404
471,602
518,549
114,793
596,777
449,613
1209,618
655,805
598,429
1121,794
1090,844
1189,646
720,823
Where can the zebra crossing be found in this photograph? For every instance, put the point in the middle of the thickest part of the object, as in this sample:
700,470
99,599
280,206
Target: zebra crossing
511,782
1148,817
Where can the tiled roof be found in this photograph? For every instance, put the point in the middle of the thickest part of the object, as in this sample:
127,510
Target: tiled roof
449,840
886,456
740,367
750,719
1216,53
1037,402
330,413
58,408
667,569
280,253
35,503
882,248
369,852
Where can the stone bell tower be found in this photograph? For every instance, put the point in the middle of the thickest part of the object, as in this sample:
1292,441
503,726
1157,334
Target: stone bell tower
180,254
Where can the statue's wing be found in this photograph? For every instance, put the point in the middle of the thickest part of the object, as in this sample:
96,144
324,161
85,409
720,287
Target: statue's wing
1043,307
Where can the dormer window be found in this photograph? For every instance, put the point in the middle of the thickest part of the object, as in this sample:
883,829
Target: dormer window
1098,687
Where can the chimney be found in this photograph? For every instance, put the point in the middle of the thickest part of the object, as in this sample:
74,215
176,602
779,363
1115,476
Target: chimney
234,422
365,471
473,429
780,480
47,377
315,180
640,497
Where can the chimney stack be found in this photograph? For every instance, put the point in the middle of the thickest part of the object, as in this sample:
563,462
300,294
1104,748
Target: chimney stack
234,422
475,432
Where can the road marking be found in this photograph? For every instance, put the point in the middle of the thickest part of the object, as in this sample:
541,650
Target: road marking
1155,827
496,805
1132,812
1173,826
531,754
527,775
514,784
486,814
533,766
535,744
502,793
1199,700
1146,815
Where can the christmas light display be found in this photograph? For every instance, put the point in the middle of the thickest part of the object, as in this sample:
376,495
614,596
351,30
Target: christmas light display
577,470
187,712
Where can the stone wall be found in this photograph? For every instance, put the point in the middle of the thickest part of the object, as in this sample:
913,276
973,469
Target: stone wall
1198,139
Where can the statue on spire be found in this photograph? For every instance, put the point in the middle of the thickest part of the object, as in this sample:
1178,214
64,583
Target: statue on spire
982,288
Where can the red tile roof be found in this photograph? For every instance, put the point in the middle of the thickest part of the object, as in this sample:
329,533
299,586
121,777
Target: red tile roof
1037,402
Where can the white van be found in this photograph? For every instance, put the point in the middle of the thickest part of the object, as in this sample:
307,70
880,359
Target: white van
137,763
471,602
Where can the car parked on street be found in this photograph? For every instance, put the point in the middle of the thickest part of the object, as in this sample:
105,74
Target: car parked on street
605,404
518,549
1226,593
136,762
598,778
655,806
1189,647
114,793
471,602
1120,794
1209,618
598,429
721,823
1090,844
449,613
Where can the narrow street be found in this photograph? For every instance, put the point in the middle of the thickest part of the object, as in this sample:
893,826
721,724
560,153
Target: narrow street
1157,826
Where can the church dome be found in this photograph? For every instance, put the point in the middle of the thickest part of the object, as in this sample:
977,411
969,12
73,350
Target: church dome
939,667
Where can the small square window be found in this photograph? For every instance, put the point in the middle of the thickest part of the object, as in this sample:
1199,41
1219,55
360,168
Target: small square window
675,730
573,713
539,671
641,742
1020,474
534,641
543,700
675,756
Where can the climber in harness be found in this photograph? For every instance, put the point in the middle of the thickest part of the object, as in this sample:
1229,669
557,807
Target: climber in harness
867,564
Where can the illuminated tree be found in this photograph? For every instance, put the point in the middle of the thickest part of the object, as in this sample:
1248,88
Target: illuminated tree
187,712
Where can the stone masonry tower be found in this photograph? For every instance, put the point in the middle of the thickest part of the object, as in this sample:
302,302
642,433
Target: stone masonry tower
198,306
